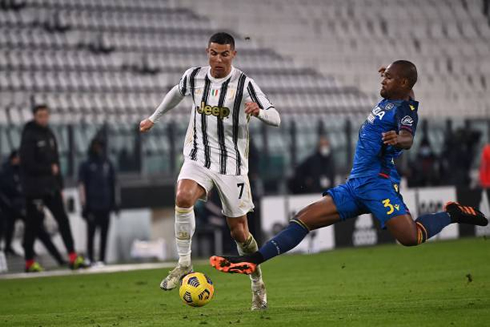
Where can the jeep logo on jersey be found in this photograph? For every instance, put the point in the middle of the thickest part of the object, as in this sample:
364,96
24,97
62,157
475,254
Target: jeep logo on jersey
407,121
220,112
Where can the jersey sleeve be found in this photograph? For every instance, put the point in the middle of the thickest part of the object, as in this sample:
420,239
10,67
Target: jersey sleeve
255,94
184,88
406,117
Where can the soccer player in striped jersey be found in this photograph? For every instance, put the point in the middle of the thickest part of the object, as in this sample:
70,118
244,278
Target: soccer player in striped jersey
216,151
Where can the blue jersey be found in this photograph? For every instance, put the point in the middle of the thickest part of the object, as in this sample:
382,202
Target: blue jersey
372,157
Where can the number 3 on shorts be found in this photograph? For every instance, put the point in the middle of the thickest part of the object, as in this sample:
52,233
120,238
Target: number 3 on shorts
240,186
387,204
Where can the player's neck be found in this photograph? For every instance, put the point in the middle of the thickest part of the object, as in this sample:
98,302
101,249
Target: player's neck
403,97
219,75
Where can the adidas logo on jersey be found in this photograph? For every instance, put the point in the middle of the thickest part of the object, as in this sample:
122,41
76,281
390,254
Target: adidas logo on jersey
220,112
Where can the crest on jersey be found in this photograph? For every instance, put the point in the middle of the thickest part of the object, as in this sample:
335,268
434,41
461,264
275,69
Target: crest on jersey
214,93
231,94
389,106
407,121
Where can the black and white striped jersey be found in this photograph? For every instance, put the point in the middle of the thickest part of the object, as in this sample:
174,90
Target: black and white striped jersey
218,135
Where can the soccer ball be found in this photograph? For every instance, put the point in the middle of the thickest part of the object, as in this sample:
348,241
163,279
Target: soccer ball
196,289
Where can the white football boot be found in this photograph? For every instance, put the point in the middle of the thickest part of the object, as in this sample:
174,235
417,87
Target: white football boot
174,276
259,296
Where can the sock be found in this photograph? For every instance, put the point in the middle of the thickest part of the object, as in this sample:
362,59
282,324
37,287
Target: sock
185,225
29,263
431,224
248,247
284,241
72,256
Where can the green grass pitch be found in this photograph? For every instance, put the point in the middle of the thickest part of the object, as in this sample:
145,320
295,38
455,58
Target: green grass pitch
437,284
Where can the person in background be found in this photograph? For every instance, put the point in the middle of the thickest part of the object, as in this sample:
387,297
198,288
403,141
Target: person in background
42,185
485,167
13,207
424,170
97,185
317,172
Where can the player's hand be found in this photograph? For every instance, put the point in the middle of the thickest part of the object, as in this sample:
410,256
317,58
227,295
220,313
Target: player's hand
382,70
251,108
146,125
390,138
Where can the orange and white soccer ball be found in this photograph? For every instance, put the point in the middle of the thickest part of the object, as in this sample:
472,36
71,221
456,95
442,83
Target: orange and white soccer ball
196,289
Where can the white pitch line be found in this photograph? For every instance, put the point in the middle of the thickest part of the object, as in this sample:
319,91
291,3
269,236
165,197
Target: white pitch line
92,270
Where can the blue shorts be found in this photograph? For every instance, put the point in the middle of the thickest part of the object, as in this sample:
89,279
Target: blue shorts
376,195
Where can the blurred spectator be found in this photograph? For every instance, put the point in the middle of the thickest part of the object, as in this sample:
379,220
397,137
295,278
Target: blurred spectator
98,196
485,167
317,172
12,206
42,184
457,156
424,170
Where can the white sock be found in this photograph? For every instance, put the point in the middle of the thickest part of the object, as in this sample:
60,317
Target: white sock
185,225
248,247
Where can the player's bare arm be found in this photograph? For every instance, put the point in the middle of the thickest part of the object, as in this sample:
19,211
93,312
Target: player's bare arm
402,140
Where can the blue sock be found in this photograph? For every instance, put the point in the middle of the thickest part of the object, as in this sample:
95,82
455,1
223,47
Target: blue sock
285,240
431,224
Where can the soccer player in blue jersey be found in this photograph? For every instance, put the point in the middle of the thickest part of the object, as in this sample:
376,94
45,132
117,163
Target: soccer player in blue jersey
372,186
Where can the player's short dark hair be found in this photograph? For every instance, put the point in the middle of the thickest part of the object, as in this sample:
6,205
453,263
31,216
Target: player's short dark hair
38,107
407,70
222,38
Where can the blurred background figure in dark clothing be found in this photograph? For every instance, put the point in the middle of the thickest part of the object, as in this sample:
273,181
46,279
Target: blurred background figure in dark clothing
98,196
13,207
317,172
42,184
424,170
458,153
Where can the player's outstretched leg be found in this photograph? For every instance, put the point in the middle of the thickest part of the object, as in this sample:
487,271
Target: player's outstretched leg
319,214
432,224
410,233
188,191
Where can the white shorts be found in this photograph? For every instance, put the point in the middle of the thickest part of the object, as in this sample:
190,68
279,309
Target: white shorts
234,191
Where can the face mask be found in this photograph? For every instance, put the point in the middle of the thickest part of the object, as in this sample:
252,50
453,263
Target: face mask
325,151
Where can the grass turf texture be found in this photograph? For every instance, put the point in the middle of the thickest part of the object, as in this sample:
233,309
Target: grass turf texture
389,285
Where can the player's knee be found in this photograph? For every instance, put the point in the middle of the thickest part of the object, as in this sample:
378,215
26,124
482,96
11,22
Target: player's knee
184,199
408,241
